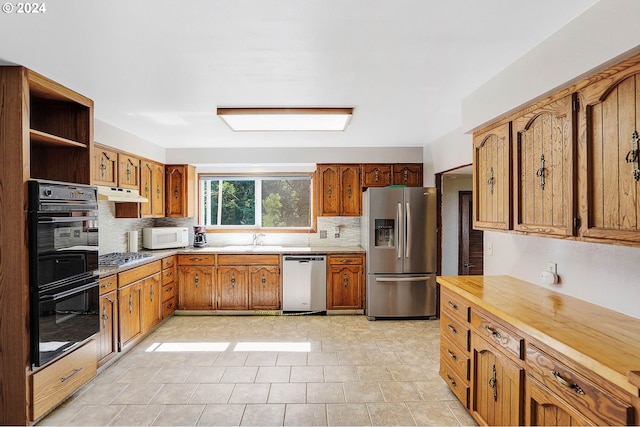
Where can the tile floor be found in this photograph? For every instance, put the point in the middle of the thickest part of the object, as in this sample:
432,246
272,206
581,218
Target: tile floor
211,370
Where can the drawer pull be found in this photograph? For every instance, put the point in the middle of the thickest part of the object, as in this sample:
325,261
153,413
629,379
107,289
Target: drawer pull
195,259
453,305
452,381
75,371
106,285
452,355
574,387
169,274
492,331
452,328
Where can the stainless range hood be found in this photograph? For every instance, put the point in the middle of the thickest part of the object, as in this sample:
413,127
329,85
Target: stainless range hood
117,194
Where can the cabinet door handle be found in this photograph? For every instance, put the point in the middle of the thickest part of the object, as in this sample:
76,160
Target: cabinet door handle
103,167
452,328
491,181
130,303
197,280
492,331
151,293
329,191
574,387
492,384
405,175
634,154
452,381
105,317
345,280
540,173
176,193
75,371
376,175
233,280
264,281
349,190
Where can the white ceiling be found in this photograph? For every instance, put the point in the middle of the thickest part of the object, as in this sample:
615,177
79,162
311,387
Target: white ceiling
159,68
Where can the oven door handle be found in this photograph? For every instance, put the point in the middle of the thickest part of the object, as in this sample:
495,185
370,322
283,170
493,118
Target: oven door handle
65,294
62,219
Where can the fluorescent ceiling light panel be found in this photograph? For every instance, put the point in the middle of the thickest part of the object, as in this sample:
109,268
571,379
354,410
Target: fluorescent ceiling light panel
286,119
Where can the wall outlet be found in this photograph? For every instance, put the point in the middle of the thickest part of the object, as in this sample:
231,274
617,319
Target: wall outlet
490,248
323,234
552,267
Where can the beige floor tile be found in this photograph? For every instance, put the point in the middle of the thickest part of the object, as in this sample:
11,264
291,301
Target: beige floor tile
383,358
362,392
340,373
307,374
138,375
273,374
390,414
461,414
291,359
239,374
174,394
288,393
97,415
325,393
211,393
263,415
373,373
200,359
205,374
99,393
409,372
353,357
434,390
398,391
266,358
309,414
249,393
137,394
231,359
137,415
322,359
348,414
433,414
171,375
179,415
222,415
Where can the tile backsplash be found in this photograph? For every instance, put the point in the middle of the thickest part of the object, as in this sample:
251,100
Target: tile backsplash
113,232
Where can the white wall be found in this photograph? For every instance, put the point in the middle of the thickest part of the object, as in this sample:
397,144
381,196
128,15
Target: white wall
106,134
603,274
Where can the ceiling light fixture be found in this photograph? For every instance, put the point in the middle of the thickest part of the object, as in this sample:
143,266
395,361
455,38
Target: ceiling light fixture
286,119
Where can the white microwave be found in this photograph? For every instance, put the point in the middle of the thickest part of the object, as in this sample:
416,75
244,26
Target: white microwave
165,237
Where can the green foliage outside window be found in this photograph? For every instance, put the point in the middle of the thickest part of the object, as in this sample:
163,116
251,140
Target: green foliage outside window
270,202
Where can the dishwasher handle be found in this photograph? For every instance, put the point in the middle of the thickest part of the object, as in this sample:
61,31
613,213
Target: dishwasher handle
304,259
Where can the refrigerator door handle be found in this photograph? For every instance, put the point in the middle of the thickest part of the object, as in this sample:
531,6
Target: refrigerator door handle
407,233
398,230
402,279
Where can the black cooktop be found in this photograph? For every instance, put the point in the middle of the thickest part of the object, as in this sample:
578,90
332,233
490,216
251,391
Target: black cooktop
121,258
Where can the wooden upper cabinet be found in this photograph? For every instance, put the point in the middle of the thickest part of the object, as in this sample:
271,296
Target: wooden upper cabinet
544,173
610,170
492,178
152,187
180,191
409,174
105,166
340,192
128,171
376,175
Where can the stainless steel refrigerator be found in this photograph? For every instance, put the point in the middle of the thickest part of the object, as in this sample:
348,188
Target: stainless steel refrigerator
398,231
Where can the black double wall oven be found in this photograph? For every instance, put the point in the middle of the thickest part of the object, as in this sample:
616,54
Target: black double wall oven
63,267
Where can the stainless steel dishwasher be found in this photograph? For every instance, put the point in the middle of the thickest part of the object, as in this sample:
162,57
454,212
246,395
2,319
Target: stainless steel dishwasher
304,283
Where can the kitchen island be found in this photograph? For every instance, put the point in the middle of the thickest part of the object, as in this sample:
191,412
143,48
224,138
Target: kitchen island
537,356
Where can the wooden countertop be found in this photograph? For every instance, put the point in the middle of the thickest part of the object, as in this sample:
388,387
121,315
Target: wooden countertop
603,340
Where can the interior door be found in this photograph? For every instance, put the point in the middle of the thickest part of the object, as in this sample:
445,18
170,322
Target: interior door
470,241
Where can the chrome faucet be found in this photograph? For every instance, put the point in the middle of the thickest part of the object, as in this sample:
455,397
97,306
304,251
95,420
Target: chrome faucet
257,238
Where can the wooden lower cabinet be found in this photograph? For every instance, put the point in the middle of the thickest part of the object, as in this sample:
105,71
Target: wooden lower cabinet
151,302
129,314
546,409
345,282
233,288
520,377
169,286
107,343
52,384
496,386
196,287
264,287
